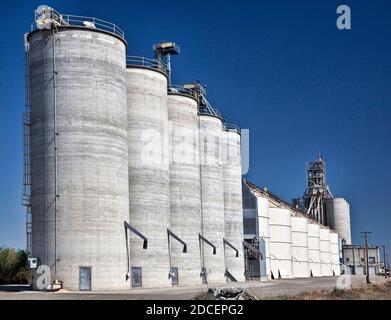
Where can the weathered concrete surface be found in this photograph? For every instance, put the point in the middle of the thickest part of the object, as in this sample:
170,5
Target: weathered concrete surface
92,155
233,206
212,196
149,188
185,193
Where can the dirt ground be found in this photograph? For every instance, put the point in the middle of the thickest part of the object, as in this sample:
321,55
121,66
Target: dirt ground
306,288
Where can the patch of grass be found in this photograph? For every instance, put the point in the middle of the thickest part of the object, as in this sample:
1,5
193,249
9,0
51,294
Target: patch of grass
364,292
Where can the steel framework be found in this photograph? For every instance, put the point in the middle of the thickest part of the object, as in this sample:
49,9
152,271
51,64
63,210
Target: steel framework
317,191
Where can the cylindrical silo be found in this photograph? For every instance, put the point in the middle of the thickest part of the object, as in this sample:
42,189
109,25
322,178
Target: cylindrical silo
212,197
149,188
334,253
325,257
314,249
264,233
185,194
233,205
341,214
300,247
280,242
79,156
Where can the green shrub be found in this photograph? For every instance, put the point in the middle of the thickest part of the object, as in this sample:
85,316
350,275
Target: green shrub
13,266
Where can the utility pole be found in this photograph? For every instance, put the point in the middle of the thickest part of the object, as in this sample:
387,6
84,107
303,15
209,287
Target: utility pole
366,236
385,261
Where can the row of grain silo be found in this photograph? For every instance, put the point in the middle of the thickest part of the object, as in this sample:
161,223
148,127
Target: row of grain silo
132,186
295,245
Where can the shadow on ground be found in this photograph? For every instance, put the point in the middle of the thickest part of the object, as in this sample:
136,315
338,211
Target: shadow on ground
14,287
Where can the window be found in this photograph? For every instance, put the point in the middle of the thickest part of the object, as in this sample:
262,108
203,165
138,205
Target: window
372,260
347,259
362,260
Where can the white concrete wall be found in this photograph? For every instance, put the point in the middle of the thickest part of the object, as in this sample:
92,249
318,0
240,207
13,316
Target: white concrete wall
334,253
300,263
92,156
233,206
212,188
341,215
264,231
149,188
325,257
185,196
280,242
314,249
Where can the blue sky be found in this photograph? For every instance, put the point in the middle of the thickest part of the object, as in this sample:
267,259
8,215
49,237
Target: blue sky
279,68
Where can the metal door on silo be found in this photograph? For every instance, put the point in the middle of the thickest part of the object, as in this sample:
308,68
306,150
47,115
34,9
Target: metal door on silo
174,276
85,278
137,279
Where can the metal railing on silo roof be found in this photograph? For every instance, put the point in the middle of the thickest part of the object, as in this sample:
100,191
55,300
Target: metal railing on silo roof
77,21
182,90
207,110
231,127
146,62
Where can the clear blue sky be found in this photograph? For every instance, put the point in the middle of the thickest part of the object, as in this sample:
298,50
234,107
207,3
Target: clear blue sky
279,68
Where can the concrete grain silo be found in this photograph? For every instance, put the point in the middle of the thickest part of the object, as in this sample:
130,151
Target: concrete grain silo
264,233
300,264
314,249
233,206
79,151
212,197
149,188
280,242
341,219
334,253
185,186
325,257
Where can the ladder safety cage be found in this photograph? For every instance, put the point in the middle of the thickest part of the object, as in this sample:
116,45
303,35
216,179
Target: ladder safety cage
26,197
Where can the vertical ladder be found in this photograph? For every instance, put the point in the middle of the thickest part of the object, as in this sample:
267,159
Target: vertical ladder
26,197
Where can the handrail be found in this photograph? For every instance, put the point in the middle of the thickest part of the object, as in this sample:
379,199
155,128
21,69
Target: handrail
204,110
182,90
146,62
79,21
232,127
